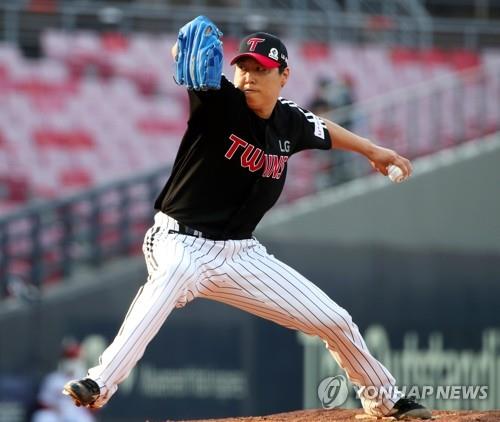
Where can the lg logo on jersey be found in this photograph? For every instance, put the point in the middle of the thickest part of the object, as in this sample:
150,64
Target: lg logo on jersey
284,145
254,159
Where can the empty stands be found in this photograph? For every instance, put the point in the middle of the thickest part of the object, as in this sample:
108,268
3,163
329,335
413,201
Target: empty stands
98,107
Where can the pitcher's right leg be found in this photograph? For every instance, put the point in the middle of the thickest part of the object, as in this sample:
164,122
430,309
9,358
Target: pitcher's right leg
171,262
255,281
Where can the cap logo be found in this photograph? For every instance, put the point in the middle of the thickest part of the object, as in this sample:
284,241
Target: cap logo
273,53
253,42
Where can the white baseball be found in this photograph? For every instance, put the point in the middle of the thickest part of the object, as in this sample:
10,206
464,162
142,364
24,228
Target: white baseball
395,174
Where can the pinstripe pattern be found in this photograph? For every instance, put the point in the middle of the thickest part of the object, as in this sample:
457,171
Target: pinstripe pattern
240,273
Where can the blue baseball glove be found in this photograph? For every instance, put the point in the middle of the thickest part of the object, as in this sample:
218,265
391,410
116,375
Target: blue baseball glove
198,64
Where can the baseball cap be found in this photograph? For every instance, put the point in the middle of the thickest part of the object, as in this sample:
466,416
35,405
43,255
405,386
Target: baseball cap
266,48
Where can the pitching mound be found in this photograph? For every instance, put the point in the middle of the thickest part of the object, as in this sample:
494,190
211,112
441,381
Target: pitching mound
341,415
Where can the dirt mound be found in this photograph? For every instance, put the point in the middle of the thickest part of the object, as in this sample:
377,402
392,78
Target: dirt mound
344,415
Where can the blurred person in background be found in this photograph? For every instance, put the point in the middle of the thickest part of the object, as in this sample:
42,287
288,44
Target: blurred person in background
52,406
331,94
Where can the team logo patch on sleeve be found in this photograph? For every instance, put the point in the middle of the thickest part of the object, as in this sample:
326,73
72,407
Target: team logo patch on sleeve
319,124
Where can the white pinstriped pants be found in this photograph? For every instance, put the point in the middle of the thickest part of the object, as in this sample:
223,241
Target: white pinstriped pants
240,273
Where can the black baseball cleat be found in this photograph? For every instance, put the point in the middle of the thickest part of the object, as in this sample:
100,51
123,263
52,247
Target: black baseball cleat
84,392
408,408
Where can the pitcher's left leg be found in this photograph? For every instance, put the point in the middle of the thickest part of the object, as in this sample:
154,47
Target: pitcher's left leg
334,325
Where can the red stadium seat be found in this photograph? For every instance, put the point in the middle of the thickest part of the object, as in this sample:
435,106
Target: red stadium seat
76,139
403,55
462,59
14,188
75,178
114,42
4,72
155,126
315,50
434,56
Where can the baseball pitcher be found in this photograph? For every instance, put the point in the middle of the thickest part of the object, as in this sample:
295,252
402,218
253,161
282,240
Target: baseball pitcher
229,171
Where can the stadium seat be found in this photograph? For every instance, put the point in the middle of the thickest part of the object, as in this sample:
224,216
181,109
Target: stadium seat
404,55
313,51
434,56
75,178
463,59
59,139
113,42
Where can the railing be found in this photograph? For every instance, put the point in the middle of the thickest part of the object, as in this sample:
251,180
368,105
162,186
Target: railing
42,243
303,20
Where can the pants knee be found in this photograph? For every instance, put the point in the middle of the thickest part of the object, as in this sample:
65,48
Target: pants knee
338,325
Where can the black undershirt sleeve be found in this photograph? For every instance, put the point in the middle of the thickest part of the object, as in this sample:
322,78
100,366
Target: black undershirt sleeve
219,98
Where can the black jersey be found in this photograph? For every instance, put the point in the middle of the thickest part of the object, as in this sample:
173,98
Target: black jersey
231,165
